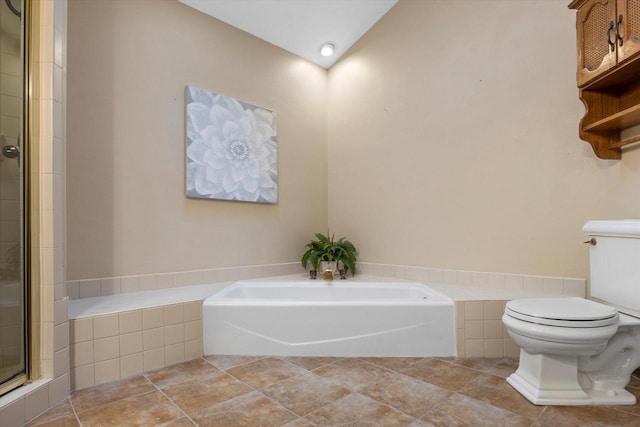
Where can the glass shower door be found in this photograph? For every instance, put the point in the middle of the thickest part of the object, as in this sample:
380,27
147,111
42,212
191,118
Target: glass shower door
12,287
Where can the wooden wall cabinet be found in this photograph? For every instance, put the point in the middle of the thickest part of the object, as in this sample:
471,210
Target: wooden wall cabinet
608,35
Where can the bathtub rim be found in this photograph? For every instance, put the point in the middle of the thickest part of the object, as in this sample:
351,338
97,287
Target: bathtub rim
219,297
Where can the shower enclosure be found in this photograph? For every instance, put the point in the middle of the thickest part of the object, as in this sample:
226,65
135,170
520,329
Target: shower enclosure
13,353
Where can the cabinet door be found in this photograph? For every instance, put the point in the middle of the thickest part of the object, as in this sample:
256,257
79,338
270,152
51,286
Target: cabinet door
595,38
628,28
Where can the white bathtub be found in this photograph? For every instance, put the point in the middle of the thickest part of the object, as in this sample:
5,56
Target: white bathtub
313,318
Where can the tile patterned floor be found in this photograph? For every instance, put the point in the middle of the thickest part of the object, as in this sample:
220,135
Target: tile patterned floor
323,391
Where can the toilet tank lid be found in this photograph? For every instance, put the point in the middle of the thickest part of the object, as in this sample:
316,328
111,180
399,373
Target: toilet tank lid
614,228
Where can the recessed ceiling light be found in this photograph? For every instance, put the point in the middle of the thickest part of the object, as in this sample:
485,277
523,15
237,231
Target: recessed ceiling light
327,49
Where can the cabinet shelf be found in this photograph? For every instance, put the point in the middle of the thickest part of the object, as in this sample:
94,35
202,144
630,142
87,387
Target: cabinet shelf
608,36
622,120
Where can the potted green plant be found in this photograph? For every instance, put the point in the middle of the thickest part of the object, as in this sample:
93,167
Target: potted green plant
325,248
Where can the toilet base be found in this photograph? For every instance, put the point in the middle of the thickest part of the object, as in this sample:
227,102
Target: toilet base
553,380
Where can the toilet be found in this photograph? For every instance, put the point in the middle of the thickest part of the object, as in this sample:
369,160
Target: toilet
576,351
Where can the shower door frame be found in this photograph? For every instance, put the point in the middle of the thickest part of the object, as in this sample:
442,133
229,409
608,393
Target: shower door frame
31,294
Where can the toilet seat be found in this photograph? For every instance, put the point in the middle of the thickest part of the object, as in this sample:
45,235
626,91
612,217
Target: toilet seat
562,312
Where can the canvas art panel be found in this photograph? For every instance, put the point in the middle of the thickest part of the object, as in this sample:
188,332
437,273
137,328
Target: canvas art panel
231,149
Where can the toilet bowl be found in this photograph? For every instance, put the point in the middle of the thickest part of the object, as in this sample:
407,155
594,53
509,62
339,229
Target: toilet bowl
558,337
577,351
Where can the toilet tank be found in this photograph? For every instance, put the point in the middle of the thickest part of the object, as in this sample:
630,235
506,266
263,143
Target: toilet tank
615,263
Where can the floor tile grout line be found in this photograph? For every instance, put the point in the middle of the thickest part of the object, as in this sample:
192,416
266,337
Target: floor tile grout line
75,413
142,375
174,404
230,355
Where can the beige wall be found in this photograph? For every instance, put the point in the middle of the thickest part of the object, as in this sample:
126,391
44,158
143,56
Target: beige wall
129,62
453,141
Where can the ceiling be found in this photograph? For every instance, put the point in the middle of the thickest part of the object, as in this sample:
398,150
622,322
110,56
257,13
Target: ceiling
300,26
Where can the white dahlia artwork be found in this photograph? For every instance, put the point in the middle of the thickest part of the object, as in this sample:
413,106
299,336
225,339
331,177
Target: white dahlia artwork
232,149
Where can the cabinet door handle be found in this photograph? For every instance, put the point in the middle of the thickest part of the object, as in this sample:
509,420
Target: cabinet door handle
618,35
612,44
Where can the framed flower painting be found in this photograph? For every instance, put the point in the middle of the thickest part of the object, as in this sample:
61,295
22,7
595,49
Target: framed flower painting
231,149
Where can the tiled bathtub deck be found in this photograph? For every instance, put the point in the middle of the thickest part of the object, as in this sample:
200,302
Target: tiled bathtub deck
275,391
